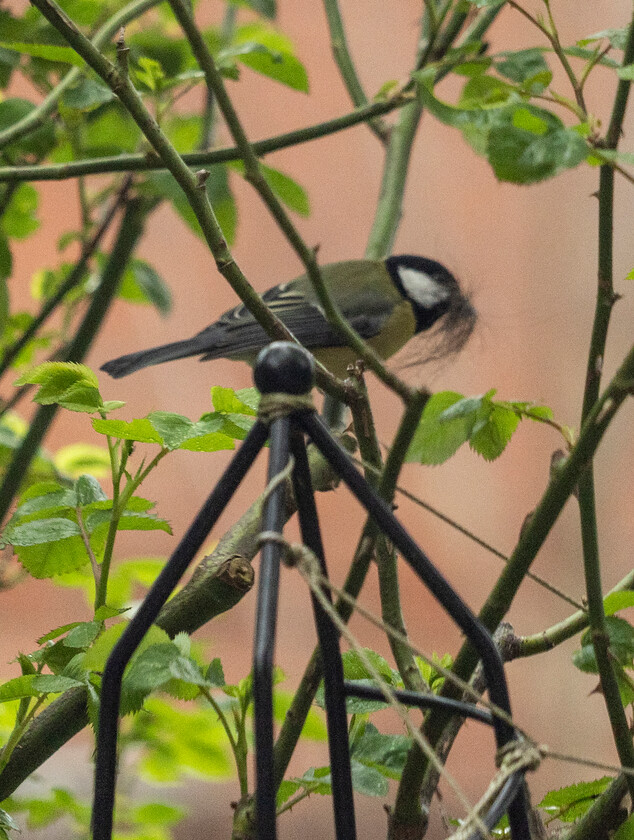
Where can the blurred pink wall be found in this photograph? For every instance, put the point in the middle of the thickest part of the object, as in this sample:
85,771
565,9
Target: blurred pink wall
529,257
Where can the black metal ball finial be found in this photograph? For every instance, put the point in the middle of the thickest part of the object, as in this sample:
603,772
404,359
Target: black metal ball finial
284,367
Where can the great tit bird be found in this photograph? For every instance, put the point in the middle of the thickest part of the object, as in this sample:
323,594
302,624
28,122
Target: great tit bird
386,301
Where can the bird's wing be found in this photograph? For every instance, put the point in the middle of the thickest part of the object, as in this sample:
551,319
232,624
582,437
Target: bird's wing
238,334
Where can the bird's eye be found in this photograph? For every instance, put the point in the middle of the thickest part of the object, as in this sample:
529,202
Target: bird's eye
421,288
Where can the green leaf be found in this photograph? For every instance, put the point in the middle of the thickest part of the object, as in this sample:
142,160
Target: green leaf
38,142
50,52
174,429
105,612
616,601
490,439
127,522
41,531
436,439
520,65
157,814
626,830
17,688
385,753
215,675
616,37
156,666
621,635
366,780
354,669
54,683
228,401
141,283
51,545
524,144
83,635
268,52
181,741
88,490
44,496
484,92
97,655
69,384
19,220
571,802
57,632
285,188
150,73
523,155
139,430
86,95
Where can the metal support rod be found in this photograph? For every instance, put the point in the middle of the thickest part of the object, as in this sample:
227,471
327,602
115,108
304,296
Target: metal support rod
265,623
335,694
106,760
421,701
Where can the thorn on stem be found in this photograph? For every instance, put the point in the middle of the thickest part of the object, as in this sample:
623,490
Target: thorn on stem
122,51
201,178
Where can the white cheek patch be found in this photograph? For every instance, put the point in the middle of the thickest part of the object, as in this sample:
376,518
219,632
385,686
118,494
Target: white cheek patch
422,288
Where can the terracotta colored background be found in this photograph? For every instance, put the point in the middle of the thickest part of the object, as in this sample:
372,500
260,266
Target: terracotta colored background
529,257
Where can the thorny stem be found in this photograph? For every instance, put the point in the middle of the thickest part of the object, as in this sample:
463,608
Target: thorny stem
553,37
587,499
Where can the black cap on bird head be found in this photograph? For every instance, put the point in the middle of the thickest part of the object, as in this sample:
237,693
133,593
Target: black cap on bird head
438,302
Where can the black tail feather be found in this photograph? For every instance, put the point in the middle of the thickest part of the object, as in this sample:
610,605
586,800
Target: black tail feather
125,365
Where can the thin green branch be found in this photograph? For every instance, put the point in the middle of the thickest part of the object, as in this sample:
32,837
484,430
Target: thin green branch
343,59
615,127
587,504
391,610
389,206
39,115
150,162
558,633
600,638
553,37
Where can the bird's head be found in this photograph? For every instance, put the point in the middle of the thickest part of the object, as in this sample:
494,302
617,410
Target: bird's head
437,301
